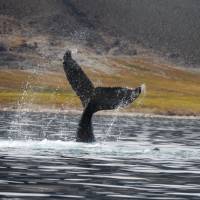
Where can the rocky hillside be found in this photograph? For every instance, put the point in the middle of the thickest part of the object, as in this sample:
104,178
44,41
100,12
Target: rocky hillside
171,27
168,27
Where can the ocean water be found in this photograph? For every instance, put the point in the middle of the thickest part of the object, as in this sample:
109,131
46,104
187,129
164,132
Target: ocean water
133,158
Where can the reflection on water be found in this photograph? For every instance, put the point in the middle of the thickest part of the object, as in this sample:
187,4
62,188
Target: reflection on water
138,158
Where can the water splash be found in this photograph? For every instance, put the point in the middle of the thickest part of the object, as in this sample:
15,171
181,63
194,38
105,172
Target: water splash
19,125
107,149
74,51
142,95
112,122
114,119
116,114
80,35
143,88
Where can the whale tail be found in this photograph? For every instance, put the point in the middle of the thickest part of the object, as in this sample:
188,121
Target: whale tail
94,99
102,98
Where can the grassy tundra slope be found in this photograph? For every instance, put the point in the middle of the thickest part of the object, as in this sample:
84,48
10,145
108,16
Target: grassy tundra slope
170,90
115,42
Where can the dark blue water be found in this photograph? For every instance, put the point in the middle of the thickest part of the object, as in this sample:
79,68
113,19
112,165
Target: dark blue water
133,158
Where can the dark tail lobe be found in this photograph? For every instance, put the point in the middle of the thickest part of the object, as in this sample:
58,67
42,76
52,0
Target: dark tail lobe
109,98
78,79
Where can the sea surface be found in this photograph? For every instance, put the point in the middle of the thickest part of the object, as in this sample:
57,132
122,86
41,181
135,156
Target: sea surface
132,158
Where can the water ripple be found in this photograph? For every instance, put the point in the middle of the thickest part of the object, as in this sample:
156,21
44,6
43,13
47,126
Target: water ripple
140,158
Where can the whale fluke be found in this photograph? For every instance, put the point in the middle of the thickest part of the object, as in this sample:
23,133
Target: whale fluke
78,79
109,98
94,99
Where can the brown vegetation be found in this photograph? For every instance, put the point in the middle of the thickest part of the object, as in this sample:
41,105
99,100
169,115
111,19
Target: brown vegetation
169,90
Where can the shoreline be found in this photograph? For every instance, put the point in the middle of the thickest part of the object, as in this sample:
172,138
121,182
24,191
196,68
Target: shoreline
105,113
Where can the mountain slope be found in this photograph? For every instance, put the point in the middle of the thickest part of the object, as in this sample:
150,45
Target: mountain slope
168,27
170,91
171,27
118,43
